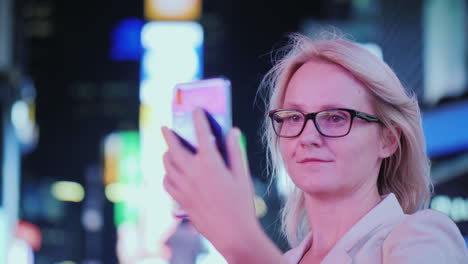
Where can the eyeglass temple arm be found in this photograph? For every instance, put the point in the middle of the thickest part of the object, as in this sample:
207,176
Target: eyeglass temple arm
367,117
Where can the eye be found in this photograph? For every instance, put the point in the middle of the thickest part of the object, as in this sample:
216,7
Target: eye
333,117
295,118
336,118
278,118
288,117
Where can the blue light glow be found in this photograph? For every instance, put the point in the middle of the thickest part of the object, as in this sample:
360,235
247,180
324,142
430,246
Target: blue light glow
446,129
125,40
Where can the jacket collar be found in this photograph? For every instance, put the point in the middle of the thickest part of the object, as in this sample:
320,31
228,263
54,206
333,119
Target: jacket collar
387,211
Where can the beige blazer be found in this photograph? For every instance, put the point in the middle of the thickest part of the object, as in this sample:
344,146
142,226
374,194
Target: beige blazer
387,235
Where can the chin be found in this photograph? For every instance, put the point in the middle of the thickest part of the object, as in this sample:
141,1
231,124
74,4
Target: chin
320,190
318,185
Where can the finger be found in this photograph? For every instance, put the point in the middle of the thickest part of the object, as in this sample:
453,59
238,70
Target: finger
170,165
179,154
170,187
176,175
203,132
237,155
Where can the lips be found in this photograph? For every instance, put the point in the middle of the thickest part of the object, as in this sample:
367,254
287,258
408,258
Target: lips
307,160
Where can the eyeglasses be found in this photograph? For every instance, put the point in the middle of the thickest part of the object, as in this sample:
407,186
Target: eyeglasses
335,122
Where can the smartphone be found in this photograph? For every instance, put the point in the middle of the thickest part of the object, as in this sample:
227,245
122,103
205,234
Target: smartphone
216,131
214,96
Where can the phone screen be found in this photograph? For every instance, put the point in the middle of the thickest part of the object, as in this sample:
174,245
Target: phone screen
213,95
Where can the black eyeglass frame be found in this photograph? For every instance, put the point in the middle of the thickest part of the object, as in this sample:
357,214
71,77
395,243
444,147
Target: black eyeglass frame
311,116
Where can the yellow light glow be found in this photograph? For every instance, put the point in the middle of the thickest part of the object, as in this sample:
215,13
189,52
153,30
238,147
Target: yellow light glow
145,115
112,146
119,192
173,10
261,208
68,191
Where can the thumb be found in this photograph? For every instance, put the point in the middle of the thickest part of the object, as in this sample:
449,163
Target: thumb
237,155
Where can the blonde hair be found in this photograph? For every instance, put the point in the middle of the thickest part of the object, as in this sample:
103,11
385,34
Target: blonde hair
405,173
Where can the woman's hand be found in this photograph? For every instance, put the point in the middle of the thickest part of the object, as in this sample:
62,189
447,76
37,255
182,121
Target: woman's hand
218,200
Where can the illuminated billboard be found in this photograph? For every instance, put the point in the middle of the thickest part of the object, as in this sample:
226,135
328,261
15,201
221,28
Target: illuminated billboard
173,9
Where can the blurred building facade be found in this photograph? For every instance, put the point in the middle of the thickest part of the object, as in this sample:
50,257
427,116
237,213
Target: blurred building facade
18,135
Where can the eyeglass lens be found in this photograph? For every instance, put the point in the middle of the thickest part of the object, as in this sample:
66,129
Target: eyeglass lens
290,123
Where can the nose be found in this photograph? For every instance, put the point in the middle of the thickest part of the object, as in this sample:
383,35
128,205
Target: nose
310,135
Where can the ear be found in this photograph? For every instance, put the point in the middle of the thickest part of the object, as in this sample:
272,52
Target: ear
389,142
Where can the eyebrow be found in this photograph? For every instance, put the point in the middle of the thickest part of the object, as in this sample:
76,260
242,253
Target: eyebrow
322,107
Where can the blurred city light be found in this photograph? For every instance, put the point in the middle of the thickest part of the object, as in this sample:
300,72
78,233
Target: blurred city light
125,40
23,120
444,53
171,35
10,184
446,130
4,235
120,192
20,114
172,54
20,253
261,208
112,148
173,9
124,151
128,243
29,233
92,220
68,191
456,208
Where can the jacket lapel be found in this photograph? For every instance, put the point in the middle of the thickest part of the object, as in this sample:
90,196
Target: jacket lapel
353,240
294,255
387,211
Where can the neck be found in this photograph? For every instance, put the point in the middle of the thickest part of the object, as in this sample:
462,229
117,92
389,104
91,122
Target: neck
330,217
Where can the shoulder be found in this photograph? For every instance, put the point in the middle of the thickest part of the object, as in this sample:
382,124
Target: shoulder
425,237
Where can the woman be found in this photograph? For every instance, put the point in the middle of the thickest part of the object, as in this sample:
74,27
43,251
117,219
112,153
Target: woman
359,168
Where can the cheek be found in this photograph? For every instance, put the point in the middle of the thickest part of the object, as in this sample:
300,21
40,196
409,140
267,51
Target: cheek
356,155
287,149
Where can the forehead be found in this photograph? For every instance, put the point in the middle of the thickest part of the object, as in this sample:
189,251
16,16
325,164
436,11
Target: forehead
317,85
